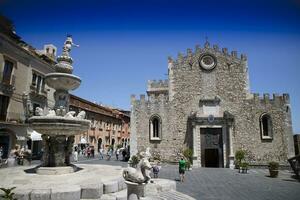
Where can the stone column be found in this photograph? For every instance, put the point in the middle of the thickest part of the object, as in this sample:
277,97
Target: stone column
195,147
69,149
57,146
45,158
231,155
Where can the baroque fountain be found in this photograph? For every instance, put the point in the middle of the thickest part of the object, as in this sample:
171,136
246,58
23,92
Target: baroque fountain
59,126
54,180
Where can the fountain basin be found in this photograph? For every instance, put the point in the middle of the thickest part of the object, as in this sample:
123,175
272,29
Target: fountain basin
62,81
58,125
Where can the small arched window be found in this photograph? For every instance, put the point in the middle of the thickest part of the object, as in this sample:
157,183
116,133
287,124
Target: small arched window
155,128
266,126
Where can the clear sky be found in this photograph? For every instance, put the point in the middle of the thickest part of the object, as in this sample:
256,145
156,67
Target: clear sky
125,43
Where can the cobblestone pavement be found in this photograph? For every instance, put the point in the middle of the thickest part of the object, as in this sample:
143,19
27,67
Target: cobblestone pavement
226,184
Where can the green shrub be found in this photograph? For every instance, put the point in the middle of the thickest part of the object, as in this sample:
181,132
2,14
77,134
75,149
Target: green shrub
239,156
119,146
273,165
244,165
188,154
187,165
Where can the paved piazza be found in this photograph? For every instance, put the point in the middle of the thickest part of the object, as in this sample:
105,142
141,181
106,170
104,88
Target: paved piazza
227,184
218,183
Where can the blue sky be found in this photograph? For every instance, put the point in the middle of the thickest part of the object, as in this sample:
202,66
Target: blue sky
125,43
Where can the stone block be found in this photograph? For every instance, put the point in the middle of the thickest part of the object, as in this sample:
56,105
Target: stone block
22,194
91,191
121,184
66,193
108,197
122,195
110,187
40,194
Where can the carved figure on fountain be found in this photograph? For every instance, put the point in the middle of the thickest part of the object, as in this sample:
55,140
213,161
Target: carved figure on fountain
70,114
39,111
140,174
81,115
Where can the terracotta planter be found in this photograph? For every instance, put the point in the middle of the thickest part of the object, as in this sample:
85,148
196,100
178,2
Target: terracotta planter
273,173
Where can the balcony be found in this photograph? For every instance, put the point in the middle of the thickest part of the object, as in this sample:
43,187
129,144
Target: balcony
7,86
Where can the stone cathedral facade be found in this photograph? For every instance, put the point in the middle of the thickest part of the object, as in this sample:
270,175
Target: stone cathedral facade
206,105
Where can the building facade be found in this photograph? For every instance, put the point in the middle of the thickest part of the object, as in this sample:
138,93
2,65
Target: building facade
109,127
206,105
22,87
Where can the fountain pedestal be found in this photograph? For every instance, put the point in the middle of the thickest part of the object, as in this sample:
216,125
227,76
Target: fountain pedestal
135,190
59,126
57,150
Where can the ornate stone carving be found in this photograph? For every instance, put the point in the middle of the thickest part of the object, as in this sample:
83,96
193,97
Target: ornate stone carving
140,174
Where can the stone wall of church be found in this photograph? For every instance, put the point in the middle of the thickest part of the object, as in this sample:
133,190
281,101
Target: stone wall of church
142,110
228,81
190,83
248,134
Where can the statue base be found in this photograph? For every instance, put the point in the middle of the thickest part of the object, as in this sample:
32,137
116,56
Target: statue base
135,190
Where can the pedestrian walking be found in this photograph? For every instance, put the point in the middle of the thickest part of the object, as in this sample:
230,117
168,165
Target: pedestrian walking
109,154
88,152
117,153
93,152
155,170
75,154
101,153
182,164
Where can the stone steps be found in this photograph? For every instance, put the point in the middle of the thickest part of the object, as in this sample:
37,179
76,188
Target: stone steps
174,195
120,195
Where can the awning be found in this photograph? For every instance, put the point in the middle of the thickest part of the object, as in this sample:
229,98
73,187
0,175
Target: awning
83,140
33,135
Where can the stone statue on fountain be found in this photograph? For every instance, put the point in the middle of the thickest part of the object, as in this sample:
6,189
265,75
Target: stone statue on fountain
58,126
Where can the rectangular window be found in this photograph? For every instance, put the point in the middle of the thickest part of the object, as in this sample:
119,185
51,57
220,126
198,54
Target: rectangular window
38,85
7,71
33,82
4,101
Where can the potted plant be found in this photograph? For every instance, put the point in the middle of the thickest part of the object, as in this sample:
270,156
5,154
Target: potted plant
243,167
273,169
239,156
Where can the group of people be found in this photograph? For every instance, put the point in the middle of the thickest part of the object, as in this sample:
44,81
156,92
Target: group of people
110,152
89,152
18,155
181,164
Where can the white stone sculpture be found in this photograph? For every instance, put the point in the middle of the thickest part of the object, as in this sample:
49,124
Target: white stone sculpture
81,115
39,111
140,174
68,44
70,114
51,113
147,153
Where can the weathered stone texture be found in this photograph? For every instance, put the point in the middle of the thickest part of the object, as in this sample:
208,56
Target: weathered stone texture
189,84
